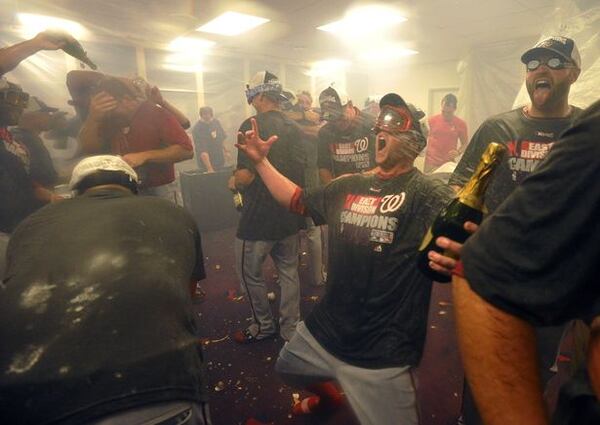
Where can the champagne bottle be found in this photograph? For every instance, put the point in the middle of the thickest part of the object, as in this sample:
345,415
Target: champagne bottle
74,48
467,206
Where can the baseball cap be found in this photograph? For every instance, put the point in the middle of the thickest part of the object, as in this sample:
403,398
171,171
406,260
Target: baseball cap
290,99
94,164
264,82
562,46
332,102
37,105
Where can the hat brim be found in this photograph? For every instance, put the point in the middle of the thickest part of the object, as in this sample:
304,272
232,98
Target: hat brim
530,54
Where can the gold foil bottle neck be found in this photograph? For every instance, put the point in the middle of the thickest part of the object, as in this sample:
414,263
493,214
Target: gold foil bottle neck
472,194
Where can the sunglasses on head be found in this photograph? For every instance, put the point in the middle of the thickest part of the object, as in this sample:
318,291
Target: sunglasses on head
393,119
552,63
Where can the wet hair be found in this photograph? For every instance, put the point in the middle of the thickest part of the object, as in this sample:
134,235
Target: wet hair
103,177
206,110
115,87
450,99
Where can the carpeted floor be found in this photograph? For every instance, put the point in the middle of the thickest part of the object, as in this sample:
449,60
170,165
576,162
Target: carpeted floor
242,381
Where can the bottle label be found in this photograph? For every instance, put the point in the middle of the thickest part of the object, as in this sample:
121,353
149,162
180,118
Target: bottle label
426,239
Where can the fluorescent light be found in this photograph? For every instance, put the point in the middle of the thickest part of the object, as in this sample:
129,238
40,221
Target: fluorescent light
191,45
232,23
184,62
364,20
34,24
328,66
387,53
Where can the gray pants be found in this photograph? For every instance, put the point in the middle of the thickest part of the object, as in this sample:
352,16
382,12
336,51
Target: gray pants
166,191
250,256
377,396
315,247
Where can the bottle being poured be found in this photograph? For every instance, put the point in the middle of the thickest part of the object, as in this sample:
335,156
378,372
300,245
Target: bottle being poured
468,206
72,47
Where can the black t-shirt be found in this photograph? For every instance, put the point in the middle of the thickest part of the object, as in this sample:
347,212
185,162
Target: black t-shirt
208,137
528,141
17,199
348,152
374,313
95,315
41,167
262,217
538,256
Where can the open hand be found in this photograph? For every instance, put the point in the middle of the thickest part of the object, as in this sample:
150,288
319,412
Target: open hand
446,262
252,145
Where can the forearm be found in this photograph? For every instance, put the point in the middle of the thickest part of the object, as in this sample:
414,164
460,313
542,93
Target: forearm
13,55
171,154
205,158
500,360
89,137
281,188
179,116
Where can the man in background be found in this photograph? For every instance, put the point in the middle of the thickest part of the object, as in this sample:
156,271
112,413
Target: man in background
448,135
266,228
346,142
148,137
208,135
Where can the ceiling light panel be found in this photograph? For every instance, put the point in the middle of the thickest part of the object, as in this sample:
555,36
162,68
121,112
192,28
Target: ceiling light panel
232,23
32,24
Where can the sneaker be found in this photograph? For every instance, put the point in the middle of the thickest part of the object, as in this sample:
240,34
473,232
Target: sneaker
245,337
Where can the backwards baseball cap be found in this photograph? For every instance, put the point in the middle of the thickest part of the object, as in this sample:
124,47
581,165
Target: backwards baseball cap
562,46
397,116
332,103
264,82
113,169
37,105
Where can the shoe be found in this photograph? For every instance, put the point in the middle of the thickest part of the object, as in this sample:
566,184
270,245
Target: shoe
246,337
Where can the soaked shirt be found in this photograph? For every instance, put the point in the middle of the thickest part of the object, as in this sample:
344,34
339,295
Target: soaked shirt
95,312
374,313
528,141
347,152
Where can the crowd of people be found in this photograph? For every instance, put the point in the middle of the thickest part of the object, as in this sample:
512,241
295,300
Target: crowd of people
97,325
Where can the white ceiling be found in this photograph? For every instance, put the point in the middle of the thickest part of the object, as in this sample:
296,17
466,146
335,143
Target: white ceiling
439,29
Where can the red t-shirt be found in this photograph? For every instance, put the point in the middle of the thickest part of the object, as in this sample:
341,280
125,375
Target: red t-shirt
443,137
152,127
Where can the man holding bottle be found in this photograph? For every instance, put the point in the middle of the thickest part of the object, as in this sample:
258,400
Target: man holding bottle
368,332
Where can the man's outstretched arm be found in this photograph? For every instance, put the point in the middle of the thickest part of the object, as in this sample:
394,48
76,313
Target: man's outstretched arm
282,189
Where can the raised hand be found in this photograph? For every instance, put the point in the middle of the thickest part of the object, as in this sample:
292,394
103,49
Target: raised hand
53,39
252,145
101,104
442,263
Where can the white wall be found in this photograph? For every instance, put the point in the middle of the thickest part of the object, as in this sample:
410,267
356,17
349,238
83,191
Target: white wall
413,83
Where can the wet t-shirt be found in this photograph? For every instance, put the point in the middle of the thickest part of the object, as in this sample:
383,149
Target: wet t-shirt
350,151
95,312
528,141
374,313
262,217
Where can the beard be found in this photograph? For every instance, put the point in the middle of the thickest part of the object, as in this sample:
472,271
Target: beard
548,99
